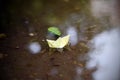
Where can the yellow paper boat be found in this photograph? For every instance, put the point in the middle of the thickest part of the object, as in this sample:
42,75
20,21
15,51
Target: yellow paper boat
59,43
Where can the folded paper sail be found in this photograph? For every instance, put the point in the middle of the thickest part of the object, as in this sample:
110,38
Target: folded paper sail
59,43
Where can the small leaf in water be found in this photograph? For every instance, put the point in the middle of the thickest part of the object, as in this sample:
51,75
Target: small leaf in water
59,43
54,30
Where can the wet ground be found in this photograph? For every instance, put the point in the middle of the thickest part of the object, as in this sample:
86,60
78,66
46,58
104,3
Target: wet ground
24,22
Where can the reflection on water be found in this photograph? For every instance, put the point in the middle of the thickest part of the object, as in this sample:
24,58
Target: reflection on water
105,8
78,73
73,35
34,47
54,72
101,8
105,55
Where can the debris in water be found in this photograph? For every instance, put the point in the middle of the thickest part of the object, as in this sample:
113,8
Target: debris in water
61,75
31,34
54,30
53,33
75,62
17,47
80,64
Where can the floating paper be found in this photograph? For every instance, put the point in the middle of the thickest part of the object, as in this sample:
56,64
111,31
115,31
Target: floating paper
59,43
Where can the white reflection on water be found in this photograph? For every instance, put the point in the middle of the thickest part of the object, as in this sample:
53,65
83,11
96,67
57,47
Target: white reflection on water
106,8
34,47
78,70
73,35
102,7
78,73
105,55
54,72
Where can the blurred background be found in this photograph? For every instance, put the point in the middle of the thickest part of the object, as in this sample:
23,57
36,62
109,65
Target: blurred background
93,26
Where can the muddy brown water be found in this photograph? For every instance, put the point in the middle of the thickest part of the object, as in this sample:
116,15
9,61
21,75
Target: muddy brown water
19,18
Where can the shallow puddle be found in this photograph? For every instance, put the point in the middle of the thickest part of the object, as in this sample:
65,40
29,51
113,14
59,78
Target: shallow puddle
91,24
